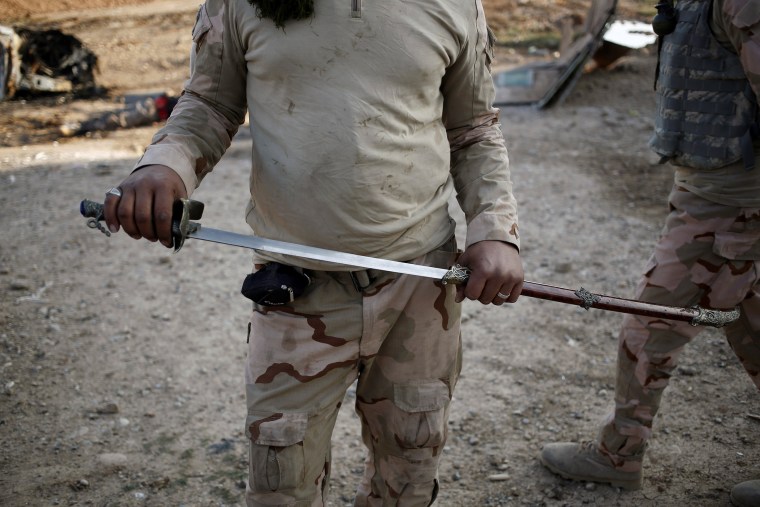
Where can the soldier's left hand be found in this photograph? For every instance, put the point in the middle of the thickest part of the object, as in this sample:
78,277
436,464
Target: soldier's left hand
496,273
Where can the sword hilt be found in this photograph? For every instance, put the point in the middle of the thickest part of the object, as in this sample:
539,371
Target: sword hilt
183,211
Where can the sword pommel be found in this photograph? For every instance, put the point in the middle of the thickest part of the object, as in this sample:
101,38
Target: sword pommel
713,318
93,211
456,275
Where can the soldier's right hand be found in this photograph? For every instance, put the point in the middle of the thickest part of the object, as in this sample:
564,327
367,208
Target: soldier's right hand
144,209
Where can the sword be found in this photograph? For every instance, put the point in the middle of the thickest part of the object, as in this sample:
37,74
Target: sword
183,226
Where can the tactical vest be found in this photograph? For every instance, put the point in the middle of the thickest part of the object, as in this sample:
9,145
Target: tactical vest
707,114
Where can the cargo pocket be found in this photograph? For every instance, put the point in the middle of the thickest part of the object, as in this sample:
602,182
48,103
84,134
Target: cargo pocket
424,424
277,454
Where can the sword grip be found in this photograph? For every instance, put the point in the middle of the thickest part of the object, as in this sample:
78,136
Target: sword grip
95,211
183,211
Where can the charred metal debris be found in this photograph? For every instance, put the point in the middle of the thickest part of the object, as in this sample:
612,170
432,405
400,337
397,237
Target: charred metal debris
44,61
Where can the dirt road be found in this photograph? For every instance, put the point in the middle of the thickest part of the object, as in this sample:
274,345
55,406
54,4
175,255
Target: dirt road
121,364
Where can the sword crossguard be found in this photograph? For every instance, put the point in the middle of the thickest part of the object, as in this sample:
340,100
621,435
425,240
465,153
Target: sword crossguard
183,211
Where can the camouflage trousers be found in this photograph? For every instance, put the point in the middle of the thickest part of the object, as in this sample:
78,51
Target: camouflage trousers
707,255
399,338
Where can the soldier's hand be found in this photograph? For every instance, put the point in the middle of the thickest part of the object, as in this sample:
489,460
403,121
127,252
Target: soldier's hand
496,273
144,209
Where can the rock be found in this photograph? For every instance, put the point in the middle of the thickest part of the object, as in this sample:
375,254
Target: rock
225,445
160,483
498,477
80,485
108,408
19,285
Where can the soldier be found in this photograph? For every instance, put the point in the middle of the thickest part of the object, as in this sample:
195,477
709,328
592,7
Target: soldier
365,118
707,126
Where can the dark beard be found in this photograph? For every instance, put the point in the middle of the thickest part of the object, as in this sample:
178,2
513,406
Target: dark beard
281,11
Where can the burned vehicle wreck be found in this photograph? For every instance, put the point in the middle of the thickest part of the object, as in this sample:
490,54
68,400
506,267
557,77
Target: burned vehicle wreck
44,61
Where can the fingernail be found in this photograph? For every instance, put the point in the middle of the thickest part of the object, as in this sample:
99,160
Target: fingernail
113,228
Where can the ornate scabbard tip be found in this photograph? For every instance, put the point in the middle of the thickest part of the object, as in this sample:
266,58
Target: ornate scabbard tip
713,318
456,275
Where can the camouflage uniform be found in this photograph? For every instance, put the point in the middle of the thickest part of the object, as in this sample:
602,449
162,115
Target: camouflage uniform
708,255
365,121
709,250
400,338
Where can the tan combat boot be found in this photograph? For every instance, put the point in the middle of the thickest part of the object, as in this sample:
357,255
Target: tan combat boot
584,462
746,494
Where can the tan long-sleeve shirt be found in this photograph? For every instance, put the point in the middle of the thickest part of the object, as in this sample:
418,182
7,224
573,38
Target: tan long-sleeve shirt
362,123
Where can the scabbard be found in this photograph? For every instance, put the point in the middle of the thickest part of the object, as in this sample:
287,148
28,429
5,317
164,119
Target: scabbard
695,315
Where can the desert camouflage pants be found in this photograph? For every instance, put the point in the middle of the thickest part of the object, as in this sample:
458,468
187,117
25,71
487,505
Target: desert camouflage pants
400,338
708,255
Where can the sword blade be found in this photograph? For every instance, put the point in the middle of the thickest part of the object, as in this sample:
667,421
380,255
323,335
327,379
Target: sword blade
309,252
